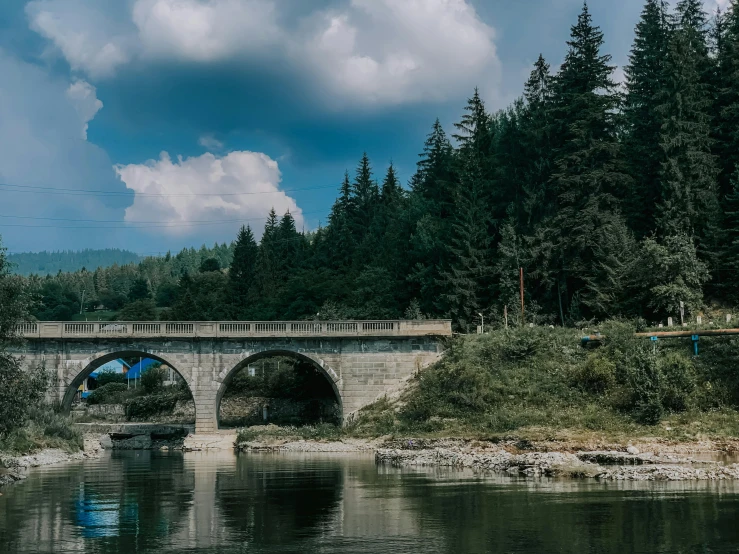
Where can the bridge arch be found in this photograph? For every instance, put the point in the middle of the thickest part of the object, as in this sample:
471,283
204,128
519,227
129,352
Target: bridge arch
73,377
323,368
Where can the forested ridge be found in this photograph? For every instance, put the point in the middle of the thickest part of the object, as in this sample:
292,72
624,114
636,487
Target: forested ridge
615,199
46,263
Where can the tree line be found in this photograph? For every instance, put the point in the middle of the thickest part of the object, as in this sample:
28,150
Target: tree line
616,199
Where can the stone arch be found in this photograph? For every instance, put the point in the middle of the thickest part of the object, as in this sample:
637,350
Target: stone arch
68,386
323,368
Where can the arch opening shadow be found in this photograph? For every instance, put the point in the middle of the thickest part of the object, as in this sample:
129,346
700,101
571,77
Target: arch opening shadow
71,389
323,372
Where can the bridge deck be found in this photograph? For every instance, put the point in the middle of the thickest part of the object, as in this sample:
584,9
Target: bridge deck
233,329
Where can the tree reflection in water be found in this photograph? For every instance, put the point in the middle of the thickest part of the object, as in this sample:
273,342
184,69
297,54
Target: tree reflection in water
129,505
273,500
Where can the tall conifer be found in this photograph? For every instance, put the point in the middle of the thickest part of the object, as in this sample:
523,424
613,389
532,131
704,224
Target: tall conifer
645,76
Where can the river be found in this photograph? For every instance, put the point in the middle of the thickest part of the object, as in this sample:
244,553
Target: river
136,502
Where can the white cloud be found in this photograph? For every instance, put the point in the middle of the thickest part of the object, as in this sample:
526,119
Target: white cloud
385,51
209,142
361,52
222,182
89,38
84,98
204,31
42,121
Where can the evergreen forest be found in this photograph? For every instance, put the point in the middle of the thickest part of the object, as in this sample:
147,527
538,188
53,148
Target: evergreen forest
616,200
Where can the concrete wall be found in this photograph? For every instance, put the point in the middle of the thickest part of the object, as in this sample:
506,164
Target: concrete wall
360,370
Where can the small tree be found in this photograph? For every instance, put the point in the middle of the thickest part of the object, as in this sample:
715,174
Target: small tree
20,391
153,379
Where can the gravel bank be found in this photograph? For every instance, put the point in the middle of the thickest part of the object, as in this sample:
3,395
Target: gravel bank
346,445
14,468
609,465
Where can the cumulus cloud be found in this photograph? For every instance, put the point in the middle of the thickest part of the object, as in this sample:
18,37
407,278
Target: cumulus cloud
42,122
204,31
88,35
361,51
385,51
187,194
84,99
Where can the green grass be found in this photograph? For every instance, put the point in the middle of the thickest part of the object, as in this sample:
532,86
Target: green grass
320,432
540,384
45,429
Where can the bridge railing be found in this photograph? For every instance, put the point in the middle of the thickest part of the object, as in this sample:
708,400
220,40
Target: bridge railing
233,329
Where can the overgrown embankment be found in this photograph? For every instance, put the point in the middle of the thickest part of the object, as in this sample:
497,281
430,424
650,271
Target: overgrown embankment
541,384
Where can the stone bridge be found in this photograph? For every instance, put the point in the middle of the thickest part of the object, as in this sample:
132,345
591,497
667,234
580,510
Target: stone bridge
362,360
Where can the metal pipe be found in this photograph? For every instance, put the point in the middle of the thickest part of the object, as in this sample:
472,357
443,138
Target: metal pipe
672,334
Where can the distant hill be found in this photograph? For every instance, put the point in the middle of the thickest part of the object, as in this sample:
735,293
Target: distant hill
45,263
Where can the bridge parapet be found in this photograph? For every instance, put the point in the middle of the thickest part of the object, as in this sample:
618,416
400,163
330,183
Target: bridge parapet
233,329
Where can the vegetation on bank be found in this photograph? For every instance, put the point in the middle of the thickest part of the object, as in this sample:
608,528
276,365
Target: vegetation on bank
27,423
540,384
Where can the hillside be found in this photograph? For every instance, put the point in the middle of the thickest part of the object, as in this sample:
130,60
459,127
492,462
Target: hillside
46,263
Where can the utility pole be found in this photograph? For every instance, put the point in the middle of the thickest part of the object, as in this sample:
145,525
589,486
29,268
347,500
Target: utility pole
505,315
82,302
520,280
482,322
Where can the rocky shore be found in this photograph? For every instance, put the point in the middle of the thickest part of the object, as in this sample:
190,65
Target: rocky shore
628,464
14,468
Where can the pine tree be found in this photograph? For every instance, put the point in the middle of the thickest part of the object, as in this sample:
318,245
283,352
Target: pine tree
242,274
730,239
268,261
473,130
539,200
466,281
688,178
727,109
339,239
588,175
436,177
365,194
645,80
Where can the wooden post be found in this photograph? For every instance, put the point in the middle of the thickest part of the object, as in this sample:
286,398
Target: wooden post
520,279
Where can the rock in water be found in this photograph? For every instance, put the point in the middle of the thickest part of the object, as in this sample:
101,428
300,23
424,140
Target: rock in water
633,450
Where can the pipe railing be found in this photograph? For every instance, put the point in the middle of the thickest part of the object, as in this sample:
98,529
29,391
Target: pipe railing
232,329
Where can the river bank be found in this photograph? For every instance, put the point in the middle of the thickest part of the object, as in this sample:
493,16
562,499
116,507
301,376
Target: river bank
13,468
640,461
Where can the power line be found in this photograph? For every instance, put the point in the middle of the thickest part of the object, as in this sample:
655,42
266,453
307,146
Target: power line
131,225
32,189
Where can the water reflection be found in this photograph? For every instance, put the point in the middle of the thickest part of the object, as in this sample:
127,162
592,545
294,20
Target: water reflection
136,502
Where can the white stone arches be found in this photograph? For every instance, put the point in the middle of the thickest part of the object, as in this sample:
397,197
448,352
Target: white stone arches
328,372
76,371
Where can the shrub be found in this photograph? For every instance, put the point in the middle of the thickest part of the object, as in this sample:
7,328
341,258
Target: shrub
108,376
153,379
20,392
521,344
151,405
678,381
596,375
112,393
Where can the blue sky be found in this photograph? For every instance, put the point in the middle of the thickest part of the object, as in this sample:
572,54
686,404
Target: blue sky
157,124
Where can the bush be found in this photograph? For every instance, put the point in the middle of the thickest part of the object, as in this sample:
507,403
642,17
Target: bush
151,405
679,381
597,375
112,393
20,392
108,376
153,379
